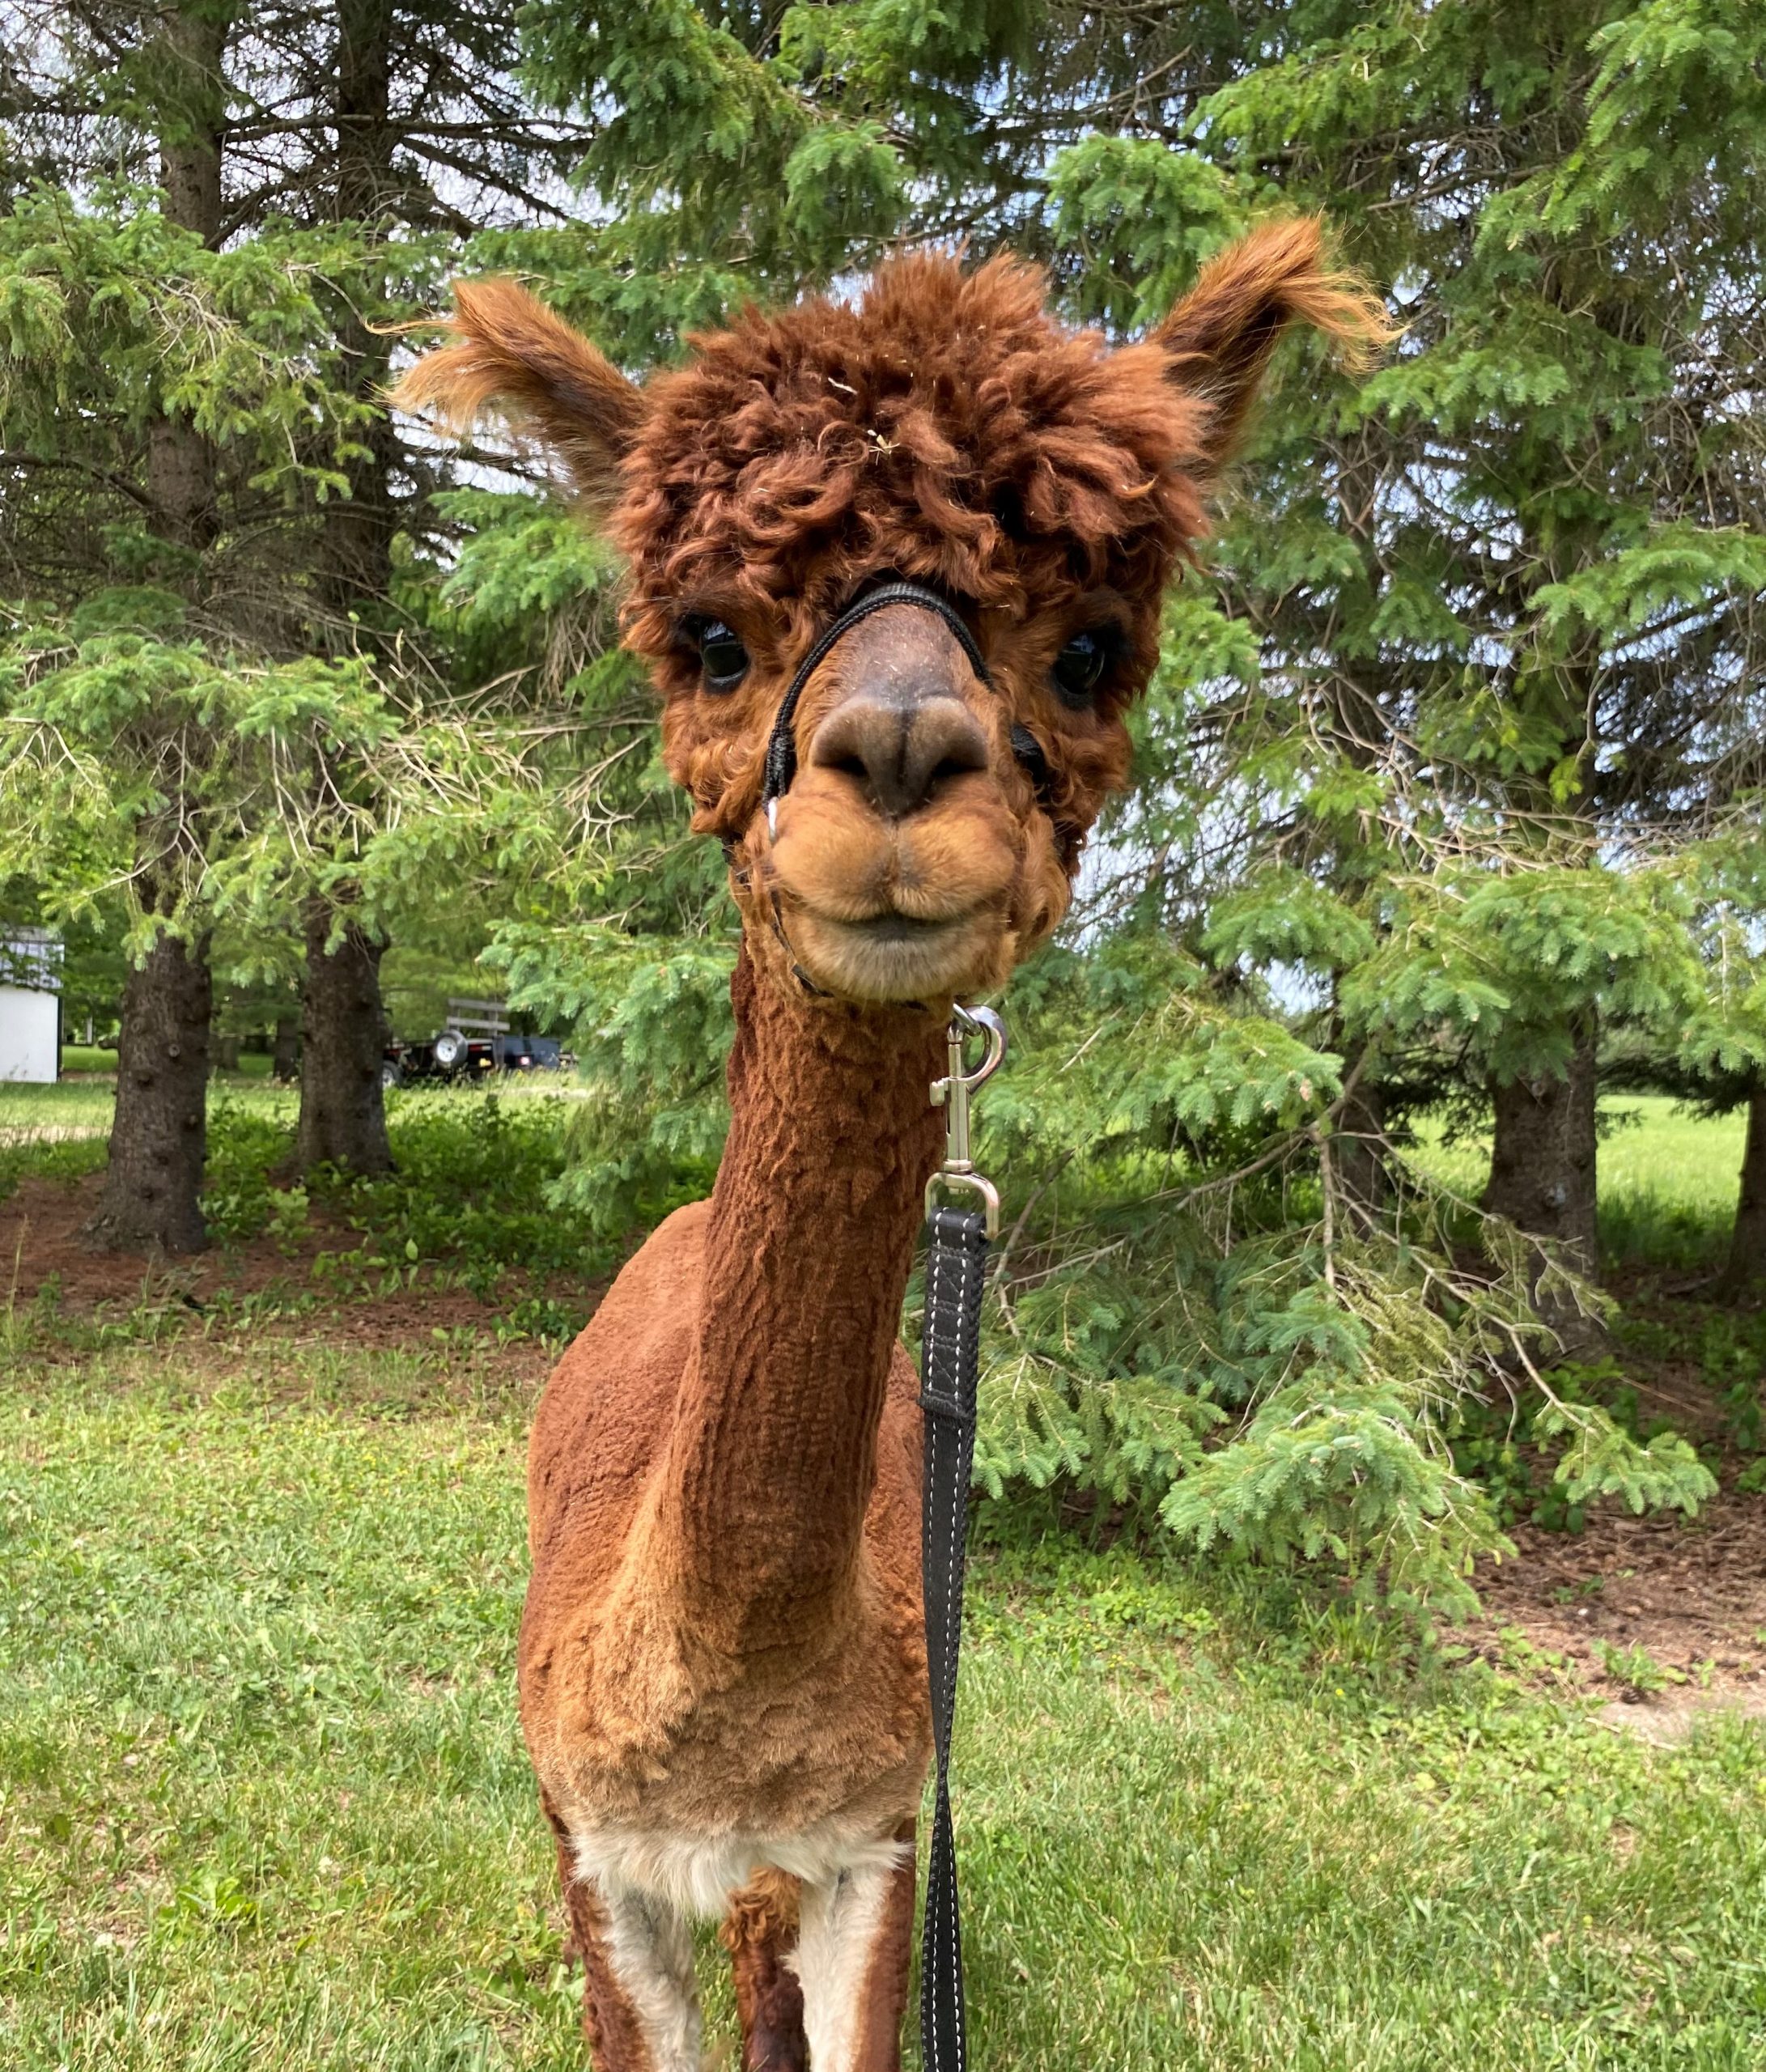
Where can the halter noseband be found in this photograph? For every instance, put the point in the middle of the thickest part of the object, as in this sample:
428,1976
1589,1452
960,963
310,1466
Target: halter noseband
781,763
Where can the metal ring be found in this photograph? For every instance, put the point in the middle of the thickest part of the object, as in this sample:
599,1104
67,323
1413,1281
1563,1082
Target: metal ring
990,1198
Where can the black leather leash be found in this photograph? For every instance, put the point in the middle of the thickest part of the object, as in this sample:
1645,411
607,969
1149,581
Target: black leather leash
956,1280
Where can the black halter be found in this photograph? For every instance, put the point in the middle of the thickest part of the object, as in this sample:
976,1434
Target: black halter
781,764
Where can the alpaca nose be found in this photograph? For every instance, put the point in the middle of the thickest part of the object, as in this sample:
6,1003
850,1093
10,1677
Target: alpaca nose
901,750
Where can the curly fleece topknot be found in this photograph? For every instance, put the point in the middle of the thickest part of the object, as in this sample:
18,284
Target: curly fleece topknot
946,428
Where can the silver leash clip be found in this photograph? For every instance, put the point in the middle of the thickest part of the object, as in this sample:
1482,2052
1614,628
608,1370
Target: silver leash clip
952,1094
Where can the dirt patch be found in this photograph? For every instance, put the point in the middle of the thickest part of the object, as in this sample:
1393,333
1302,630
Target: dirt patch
44,1259
1666,1615
1667,1720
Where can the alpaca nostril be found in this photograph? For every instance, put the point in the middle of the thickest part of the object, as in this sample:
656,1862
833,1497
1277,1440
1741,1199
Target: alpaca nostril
900,753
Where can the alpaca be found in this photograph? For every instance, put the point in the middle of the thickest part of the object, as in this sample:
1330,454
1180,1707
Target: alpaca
722,1660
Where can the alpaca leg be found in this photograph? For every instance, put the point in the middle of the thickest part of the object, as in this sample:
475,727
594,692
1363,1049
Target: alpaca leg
852,1955
760,1932
640,2004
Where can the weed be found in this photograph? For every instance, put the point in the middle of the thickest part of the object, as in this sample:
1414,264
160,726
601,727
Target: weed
1636,1668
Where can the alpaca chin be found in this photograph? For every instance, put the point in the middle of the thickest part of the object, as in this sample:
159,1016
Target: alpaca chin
893,957
921,907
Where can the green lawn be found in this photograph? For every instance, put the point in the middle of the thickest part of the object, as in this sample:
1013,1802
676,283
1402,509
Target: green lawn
61,1130
80,1104
83,1106
263,1802
1650,1145
102,1058
86,1103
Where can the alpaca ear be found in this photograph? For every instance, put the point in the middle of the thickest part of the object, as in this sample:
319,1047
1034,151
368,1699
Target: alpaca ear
511,351
1219,338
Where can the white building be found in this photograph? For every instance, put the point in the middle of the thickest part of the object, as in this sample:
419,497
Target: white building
30,1004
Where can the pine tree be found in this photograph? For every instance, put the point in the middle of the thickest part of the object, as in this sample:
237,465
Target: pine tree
1417,742
158,1139
199,463
377,103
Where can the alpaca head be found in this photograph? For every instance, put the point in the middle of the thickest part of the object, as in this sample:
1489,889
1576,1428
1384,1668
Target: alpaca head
946,432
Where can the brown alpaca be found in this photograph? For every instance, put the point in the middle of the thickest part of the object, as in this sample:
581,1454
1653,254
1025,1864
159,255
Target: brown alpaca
722,1660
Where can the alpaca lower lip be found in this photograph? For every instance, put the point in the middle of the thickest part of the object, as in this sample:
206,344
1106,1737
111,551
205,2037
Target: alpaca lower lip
887,957
896,927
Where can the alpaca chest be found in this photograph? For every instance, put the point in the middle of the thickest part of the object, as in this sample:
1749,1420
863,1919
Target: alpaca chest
687,1798
696,1874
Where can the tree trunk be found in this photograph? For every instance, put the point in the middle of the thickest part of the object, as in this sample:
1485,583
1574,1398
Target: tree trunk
159,1136
285,1056
1747,1248
356,538
1359,1146
227,1054
181,461
342,1112
1543,1177
344,1027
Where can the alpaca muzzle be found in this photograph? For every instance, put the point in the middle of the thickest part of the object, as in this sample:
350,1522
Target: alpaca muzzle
895,874
968,752
781,763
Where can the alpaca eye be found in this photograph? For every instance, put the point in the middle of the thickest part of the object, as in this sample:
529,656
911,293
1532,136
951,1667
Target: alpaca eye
1078,669
722,655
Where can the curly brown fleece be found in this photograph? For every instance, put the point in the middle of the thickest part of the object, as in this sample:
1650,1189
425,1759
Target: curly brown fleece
946,428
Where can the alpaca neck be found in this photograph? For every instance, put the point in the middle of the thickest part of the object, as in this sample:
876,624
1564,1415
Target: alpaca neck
807,1248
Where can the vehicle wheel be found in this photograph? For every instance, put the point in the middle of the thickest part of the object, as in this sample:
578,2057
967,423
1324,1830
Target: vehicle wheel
450,1049
390,1074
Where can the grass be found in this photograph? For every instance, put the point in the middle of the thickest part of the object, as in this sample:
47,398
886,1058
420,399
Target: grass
1656,1147
102,1058
1668,1180
79,1109
62,1130
84,1104
264,1801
